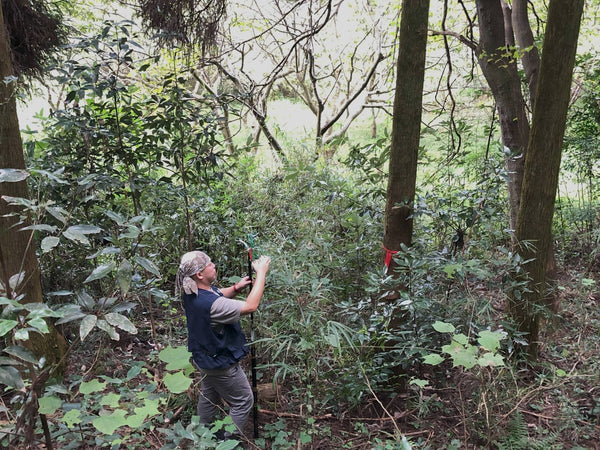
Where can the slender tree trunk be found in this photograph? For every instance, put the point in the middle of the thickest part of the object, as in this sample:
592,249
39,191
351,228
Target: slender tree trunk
542,162
500,71
17,248
406,126
530,56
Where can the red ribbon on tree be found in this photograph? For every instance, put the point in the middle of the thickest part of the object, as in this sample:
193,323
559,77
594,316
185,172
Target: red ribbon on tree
388,256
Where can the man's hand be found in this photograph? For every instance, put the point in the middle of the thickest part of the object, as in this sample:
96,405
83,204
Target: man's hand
242,283
261,265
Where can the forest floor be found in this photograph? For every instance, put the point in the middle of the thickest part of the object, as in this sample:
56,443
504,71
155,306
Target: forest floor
554,403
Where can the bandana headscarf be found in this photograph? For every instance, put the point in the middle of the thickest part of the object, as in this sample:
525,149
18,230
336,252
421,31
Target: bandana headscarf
191,263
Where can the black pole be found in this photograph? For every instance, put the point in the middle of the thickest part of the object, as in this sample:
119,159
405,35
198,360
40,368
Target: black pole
253,353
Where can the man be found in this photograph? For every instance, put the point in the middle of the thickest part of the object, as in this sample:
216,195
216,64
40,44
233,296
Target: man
215,336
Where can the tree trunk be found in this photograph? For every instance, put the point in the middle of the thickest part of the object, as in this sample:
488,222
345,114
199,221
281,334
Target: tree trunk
530,56
17,248
500,71
406,126
542,162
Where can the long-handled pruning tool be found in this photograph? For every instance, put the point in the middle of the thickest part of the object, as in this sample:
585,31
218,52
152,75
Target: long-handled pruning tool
249,246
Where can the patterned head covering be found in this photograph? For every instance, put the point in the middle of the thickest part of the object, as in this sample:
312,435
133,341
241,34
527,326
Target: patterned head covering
191,263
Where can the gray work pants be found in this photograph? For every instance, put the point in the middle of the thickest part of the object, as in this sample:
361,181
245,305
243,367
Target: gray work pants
231,385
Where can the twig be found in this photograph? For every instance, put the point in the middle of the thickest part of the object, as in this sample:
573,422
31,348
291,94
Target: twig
100,347
541,416
175,415
295,416
379,401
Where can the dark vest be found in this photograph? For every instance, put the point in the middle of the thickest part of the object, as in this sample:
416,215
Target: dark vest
211,349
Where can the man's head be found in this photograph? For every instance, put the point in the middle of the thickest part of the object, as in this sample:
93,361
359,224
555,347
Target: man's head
191,264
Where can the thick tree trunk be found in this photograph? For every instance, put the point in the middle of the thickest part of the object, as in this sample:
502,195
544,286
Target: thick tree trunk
17,248
406,126
542,162
500,71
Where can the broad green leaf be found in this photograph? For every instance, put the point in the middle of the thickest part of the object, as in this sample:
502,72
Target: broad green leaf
149,409
136,420
148,265
147,223
72,417
8,301
451,269
119,320
464,357
433,358
76,237
41,227
111,400
305,438
69,313
62,293
18,201
55,176
49,404
38,309
229,444
7,325
88,387
39,323
12,175
124,273
22,334
110,251
461,339
22,353
105,326
4,361
490,340
84,229
87,324
101,271
177,382
452,347
86,300
490,359
108,424
16,280
443,327
132,232
420,383
58,213
134,371
176,358
11,377
118,218
48,243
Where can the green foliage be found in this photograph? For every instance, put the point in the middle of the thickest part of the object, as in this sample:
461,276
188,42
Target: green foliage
517,437
129,174
465,354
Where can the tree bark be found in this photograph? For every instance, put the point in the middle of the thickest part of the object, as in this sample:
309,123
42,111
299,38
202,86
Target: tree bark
406,126
17,248
542,162
530,57
500,71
